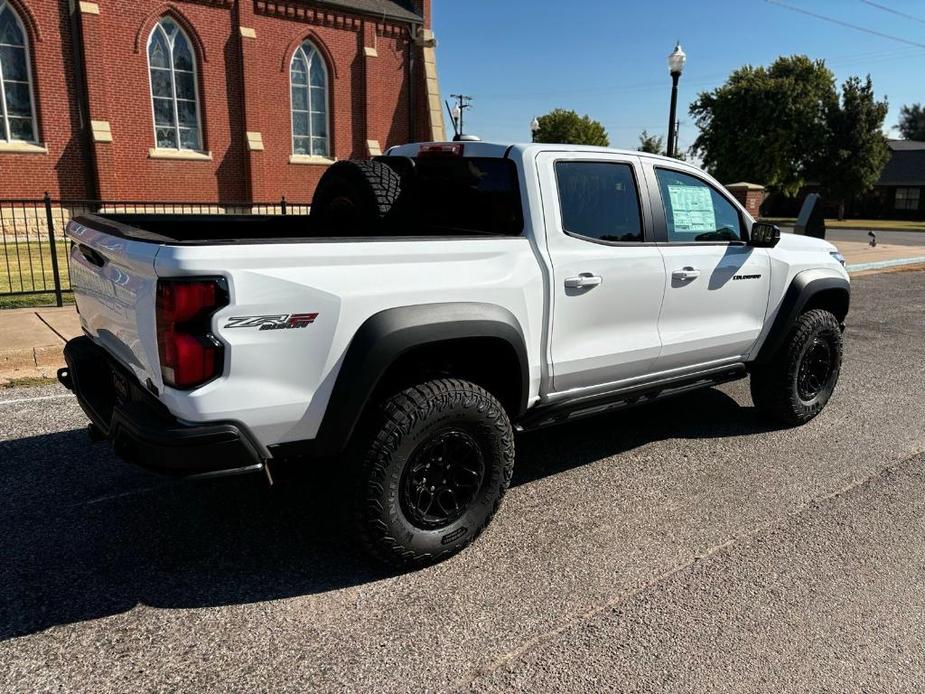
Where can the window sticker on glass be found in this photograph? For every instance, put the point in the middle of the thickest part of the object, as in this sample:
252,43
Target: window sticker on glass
692,208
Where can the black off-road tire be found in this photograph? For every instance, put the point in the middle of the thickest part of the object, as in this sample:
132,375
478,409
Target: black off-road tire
399,437
355,195
776,386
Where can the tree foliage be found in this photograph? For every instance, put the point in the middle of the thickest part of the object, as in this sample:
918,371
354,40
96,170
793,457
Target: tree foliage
650,143
766,124
856,150
912,122
785,125
567,127
653,144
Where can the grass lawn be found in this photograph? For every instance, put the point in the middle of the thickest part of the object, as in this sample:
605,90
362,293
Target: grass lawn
875,224
25,266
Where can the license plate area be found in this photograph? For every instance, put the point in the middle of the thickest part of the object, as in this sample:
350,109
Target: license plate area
120,385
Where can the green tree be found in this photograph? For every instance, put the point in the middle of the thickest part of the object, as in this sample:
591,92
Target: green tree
653,144
650,143
567,127
856,151
912,122
767,124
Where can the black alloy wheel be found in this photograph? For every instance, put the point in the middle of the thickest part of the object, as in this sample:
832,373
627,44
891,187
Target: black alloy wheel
815,369
442,479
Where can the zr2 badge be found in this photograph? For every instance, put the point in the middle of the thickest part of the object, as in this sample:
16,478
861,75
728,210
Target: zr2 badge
284,321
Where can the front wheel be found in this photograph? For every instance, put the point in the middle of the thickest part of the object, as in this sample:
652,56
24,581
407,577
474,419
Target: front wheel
796,384
432,471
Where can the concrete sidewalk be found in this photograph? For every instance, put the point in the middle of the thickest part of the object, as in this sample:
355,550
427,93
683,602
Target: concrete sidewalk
31,339
861,257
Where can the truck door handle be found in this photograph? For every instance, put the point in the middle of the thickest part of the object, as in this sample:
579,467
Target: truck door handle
583,281
685,274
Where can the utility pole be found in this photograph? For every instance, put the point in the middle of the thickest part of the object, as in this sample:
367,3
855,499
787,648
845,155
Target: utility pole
462,103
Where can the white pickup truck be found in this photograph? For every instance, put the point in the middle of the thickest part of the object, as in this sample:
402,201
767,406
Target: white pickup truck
437,300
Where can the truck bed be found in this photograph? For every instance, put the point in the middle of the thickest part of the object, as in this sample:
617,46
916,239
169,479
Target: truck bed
446,198
201,228
198,229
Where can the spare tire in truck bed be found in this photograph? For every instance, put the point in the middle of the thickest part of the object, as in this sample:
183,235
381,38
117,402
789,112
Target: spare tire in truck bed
355,195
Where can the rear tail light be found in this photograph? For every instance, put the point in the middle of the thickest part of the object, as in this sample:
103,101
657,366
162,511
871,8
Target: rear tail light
190,354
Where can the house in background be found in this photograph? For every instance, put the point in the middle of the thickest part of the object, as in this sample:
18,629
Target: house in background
207,100
899,193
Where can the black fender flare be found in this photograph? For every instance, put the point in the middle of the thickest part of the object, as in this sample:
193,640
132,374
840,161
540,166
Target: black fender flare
385,336
803,288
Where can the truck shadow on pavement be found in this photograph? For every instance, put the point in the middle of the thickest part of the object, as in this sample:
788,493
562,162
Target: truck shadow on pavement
84,536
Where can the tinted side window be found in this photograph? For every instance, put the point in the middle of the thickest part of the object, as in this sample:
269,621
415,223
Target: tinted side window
694,211
462,195
599,200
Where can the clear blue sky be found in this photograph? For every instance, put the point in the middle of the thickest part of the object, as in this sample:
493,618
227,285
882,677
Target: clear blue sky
521,58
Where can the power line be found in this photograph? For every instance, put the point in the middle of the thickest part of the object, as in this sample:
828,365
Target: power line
892,11
845,24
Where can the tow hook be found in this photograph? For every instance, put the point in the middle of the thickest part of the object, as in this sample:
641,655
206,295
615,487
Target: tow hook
64,378
95,433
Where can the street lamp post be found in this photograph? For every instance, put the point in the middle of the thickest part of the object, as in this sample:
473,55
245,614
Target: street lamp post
534,128
457,114
675,66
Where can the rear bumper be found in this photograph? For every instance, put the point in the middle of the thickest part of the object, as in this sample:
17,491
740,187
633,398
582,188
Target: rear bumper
142,431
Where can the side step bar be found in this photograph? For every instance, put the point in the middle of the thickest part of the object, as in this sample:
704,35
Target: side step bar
569,410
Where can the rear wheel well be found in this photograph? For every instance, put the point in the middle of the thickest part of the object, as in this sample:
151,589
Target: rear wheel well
489,362
834,301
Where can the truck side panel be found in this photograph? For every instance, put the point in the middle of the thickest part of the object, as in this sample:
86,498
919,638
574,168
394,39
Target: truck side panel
281,369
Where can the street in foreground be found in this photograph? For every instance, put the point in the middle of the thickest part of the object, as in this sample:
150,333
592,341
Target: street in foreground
686,546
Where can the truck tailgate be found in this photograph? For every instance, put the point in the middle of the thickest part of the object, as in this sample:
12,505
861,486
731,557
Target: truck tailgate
115,285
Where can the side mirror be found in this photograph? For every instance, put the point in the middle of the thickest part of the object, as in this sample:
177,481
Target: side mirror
764,235
811,221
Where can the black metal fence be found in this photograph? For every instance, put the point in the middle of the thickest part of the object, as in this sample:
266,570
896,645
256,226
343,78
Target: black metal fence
33,249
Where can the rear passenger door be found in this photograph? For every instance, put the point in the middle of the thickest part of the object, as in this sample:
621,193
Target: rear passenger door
608,275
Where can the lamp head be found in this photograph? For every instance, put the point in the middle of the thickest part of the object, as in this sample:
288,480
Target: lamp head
677,59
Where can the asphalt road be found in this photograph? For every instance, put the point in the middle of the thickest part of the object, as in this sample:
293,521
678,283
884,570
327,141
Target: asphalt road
688,546
898,238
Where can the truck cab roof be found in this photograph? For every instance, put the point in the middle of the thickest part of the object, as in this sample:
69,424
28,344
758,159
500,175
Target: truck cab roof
501,149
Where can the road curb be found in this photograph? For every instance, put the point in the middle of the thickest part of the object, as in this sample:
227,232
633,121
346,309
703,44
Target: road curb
32,362
885,264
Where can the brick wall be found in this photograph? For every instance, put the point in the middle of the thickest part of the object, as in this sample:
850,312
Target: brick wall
243,51
750,195
61,170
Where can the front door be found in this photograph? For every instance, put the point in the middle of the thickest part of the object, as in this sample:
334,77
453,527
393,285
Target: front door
608,276
716,287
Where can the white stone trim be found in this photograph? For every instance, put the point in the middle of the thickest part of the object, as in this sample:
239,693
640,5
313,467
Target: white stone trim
18,147
181,154
306,159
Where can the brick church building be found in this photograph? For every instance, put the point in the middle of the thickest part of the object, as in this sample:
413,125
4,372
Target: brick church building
207,100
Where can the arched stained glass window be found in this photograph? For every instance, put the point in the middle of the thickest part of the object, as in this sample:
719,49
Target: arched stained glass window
17,105
174,88
308,78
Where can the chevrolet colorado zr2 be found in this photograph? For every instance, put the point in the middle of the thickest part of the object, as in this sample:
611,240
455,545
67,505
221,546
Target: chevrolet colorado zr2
435,301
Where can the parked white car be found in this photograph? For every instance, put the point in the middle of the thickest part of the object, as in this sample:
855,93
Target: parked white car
436,300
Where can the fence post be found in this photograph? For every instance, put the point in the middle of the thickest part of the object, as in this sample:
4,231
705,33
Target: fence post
54,249
283,204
